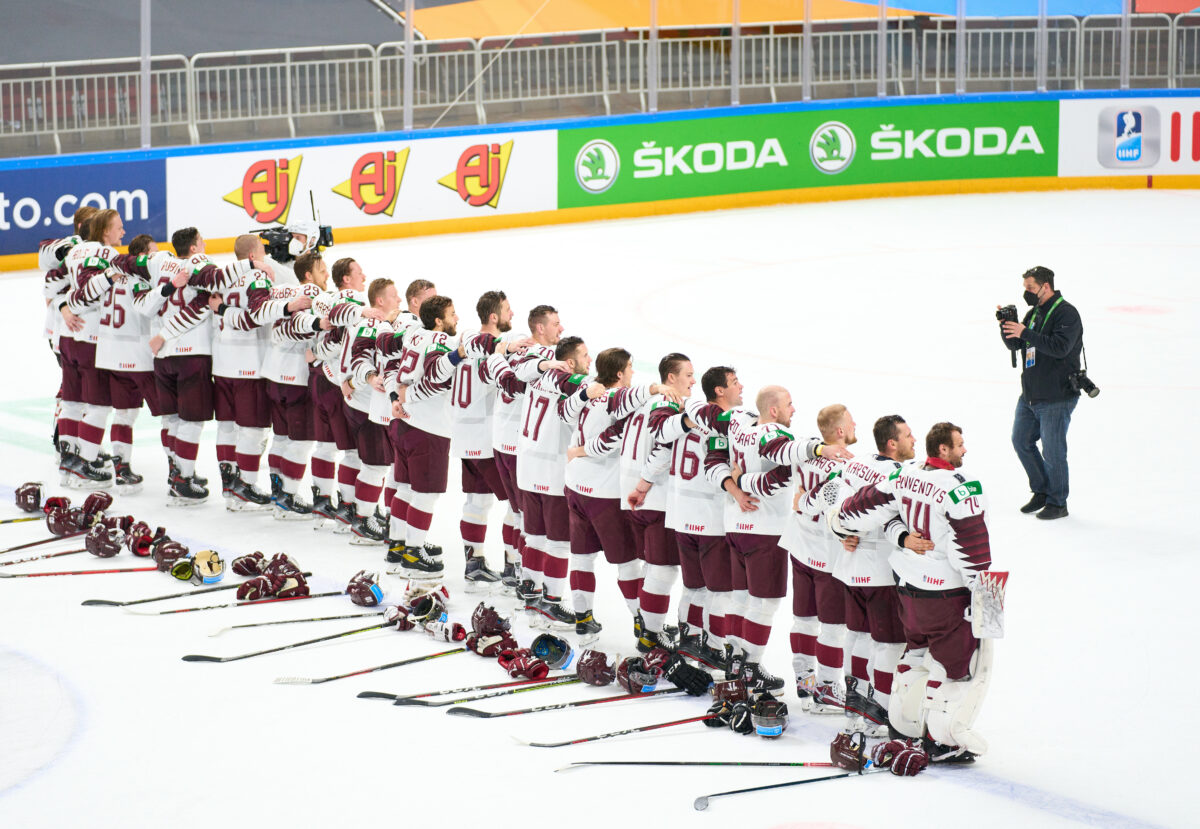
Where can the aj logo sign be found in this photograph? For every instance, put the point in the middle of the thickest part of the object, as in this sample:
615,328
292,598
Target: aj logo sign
267,188
374,182
480,173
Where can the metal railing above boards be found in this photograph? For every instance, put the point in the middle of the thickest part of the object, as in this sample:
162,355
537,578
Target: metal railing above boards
230,96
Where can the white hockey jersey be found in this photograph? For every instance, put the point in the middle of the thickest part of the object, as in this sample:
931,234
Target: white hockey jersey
868,565
542,443
599,426
940,503
807,538
637,444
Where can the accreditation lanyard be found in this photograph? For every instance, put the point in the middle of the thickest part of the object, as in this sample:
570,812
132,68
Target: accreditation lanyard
1033,322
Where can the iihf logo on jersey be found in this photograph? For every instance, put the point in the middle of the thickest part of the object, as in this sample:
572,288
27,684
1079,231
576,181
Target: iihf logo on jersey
1129,135
831,147
1128,138
480,174
267,188
374,182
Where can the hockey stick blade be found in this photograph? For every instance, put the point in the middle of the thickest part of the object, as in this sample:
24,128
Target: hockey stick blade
566,680
464,711
199,657
701,803
375,695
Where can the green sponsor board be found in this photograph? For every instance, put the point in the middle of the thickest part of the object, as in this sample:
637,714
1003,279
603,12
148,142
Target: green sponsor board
637,162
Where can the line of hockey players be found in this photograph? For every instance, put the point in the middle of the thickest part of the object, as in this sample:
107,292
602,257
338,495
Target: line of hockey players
372,393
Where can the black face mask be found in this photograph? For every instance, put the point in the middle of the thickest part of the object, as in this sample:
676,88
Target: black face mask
1031,298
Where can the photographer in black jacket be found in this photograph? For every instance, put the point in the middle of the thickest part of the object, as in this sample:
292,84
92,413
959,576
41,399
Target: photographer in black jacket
1048,340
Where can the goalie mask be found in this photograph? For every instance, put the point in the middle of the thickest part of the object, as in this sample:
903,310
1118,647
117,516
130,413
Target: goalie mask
553,651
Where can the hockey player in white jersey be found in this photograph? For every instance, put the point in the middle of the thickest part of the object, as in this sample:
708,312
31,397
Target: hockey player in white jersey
876,637
245,312
105,231
600,417
123,351
541,464
645,462
285,370
695,513
523,563
818,599
472,403
945,669
761,456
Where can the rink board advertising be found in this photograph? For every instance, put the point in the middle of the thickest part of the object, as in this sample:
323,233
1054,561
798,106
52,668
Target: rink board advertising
790,150
389,185
38,203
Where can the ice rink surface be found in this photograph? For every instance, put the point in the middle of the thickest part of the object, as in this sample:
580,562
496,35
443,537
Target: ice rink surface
886,306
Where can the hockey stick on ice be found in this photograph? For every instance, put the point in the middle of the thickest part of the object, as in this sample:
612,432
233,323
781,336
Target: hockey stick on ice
749,763
199,657
637,730
45,555
300,680
553,683
463,690
293,622
78,572
462,711
22,520
233,604
701,803
112,603
44,541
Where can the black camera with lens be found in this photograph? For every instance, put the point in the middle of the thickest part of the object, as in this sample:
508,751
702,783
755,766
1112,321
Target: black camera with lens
1080,382
277,239
1007,314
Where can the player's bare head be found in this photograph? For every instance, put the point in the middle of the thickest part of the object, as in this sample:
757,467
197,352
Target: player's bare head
836,425
544,325
187,241
310,267
945,442
382,294
573,350
348,274
774,404
720,385
105,227
438,314
614,367
250,246
894,439
417,292
142,245
672,367
493,309
81,216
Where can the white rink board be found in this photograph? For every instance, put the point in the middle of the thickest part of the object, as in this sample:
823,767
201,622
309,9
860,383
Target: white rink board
858,302
1090,137
198,184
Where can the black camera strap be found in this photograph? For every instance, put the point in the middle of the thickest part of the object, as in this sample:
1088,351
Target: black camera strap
1033,322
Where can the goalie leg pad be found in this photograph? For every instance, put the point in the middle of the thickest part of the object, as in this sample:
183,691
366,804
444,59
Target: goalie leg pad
954,706
908,693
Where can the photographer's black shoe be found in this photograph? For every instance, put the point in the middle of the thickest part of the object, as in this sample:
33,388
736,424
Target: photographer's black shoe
1035,503
1050,512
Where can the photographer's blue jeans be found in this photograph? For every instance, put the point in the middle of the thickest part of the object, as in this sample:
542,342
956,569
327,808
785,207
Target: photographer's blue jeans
1047,469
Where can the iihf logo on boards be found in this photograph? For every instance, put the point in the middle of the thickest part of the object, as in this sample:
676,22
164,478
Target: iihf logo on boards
1128,138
